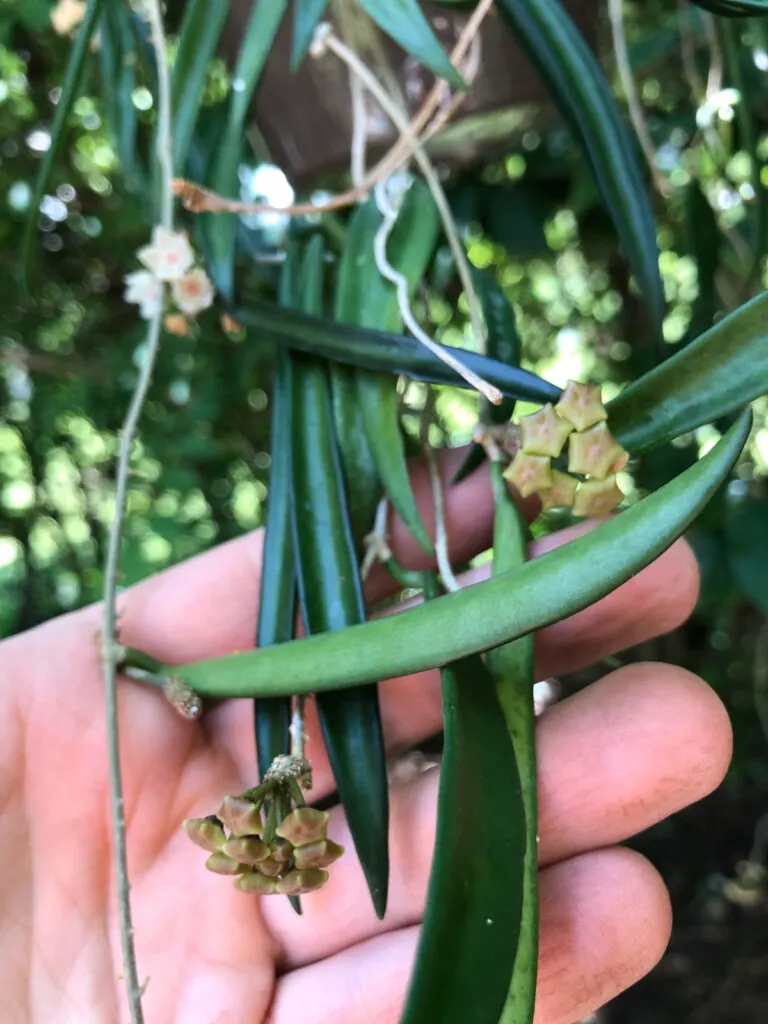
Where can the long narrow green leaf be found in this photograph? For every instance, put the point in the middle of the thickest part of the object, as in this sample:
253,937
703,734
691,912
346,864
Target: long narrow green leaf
219,231
331,598
504,608
306,17
198,38
474,900
730,39
373,300
503,343
69,88
383,352
512,667
715,375
703,241
578,87
277,598
734,8
117,50
404,20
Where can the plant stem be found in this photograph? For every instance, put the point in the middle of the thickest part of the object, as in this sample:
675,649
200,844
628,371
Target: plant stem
636,112
110,649
297,727
400,121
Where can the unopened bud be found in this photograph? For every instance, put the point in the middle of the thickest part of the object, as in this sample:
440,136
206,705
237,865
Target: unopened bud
597,498
241,816
246,849
581,405
318,854
596,453
297,883
221,864
205,832
271,867
544,432
529,473
254,882
177,324
281,850
304,825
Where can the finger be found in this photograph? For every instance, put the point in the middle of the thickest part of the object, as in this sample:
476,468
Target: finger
613,760
652,603
605,922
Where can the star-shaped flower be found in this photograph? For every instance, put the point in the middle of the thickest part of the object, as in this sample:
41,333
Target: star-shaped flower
193,292
544,432
529,473
144,289
597,498
170,255
562,492
596,452
581,405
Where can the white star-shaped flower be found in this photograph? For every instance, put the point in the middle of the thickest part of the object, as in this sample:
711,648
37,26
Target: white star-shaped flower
194,292
144,289
170,255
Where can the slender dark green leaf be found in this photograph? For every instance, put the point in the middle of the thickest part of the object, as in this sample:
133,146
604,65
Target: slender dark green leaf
503,344
383,352
199,36
491,613
277,598
380,406
70,85
404,20
578,87
306,17
331,598
119,58
512,667
746,534
362,291
364,297
219,231
703,241
734,8
715,375
361,477
730,40
474,901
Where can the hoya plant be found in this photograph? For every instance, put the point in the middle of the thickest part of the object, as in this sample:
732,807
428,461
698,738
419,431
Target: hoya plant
342,300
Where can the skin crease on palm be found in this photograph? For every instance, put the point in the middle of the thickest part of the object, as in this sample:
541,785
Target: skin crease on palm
644,742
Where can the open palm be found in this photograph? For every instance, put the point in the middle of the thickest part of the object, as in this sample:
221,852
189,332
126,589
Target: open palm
639,745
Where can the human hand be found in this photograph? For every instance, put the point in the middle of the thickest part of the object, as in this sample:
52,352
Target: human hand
639,745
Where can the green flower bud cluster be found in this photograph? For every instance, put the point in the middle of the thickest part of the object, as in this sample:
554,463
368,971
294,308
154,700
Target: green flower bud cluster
285,854
594,455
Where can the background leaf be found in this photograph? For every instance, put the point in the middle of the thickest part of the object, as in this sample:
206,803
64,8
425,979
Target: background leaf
198,39
746,533
66,100
307,15
578,87
405,22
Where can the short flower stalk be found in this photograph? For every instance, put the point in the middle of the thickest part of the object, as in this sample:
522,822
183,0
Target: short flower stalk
267,838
